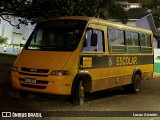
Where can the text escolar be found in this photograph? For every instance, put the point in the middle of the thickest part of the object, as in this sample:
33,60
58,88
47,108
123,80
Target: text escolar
126,61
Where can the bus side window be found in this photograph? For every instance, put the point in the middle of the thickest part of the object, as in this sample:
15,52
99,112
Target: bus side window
132,42
88,48
116,40
146,44
132,38
129,40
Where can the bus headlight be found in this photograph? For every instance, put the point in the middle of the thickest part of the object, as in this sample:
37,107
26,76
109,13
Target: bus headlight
60,72
14,68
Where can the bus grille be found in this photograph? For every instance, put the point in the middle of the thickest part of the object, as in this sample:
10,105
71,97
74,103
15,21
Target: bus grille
29,74
34,70
33,86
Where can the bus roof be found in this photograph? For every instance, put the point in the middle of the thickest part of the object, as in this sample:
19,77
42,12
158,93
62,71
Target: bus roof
104,22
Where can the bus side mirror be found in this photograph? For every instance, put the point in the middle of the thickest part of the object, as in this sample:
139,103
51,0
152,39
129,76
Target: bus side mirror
85,43
94,39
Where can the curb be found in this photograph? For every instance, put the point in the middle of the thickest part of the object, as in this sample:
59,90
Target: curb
156,75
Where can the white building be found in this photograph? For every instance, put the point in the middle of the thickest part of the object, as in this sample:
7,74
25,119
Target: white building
14,35
127,5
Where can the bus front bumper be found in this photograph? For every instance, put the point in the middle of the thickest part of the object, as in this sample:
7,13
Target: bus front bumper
58,85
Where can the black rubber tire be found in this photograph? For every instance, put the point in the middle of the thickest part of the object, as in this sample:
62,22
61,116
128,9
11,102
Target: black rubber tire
134,88
78,95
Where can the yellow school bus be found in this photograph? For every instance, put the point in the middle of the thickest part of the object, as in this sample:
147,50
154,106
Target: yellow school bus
73,55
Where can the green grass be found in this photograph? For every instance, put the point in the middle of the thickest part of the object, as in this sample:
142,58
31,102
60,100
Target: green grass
6,61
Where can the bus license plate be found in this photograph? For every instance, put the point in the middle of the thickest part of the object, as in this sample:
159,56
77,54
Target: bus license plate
30,80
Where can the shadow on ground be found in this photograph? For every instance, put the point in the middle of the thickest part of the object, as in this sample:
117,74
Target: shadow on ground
6,87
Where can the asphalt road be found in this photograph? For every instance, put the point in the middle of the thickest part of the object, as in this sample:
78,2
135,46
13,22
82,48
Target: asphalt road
114,105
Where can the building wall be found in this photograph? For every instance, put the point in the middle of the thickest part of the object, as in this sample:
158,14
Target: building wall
127,5
14,35
26,31
135,6
144,24
17,37
131,23
6,29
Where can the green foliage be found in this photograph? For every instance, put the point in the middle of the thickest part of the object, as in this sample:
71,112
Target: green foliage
38,10
156,17
3,40
116,11
15,44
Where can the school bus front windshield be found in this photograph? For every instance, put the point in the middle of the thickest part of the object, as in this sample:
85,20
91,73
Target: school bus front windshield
57,35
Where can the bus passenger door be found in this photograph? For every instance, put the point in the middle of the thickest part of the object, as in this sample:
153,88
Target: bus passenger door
91,56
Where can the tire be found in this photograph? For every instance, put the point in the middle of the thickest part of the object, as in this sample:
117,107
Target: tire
78,95
134,88
26,95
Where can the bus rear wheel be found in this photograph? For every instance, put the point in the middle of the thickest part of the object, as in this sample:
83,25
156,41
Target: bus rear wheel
78,95
134,87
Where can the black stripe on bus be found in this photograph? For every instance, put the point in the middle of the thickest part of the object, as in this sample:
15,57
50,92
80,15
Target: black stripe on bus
117,61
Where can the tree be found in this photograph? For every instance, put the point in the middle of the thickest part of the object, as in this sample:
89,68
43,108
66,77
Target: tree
37,10
154,4
3,40
156,17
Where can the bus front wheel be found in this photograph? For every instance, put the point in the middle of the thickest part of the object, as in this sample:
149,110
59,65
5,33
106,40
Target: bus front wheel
78,94
134,87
